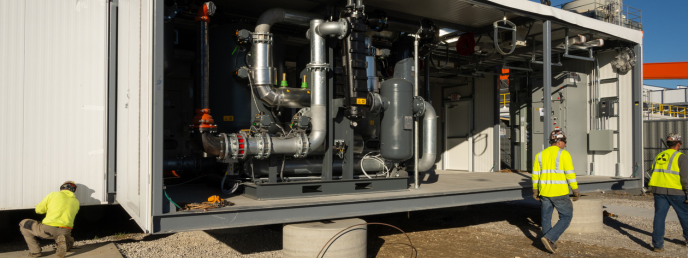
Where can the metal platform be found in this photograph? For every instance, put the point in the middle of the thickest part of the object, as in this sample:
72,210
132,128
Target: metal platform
267,191
439,189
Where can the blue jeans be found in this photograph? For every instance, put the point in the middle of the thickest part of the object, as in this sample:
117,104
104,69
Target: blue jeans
564,207
662,204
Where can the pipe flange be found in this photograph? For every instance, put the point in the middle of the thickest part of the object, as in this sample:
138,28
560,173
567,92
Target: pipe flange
303,143
376,106
316,67
263,141
224,147
418,106
261,37
344,28
233,145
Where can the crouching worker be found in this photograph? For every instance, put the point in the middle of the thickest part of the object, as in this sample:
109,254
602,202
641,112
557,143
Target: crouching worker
60,209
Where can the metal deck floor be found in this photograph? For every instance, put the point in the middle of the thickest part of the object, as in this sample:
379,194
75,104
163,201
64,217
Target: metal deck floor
438,189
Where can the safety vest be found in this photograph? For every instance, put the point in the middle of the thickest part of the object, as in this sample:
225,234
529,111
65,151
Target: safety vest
665,172
553,172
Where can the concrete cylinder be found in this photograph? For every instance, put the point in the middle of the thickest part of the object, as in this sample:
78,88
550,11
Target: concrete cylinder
587,216
307,239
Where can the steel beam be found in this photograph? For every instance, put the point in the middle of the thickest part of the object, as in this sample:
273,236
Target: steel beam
547,79
158,106
333,210
112,105
638,169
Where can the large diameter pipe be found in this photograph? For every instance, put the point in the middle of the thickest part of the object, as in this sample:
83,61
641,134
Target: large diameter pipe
279,15
429,139
318,67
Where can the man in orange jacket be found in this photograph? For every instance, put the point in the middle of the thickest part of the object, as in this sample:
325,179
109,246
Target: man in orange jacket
60,209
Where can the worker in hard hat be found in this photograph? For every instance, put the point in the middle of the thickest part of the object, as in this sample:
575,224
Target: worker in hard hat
669,185
60,209
552,176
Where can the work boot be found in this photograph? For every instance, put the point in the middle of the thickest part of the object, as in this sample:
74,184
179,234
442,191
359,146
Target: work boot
549,245
659,250
35,255
70,245
61,246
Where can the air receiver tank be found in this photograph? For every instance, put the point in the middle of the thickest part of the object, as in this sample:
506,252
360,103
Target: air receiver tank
396,133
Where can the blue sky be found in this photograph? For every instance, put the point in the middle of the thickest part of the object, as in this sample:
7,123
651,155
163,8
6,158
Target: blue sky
665,34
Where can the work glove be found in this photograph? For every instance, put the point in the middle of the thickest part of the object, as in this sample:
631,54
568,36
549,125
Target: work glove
686,202
576,195
536,194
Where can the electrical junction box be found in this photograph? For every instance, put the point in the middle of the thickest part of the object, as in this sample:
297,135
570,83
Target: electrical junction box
601,140
606,108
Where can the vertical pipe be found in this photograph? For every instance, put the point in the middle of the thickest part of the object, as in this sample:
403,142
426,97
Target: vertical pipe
496,147
203,64
547,79
415,122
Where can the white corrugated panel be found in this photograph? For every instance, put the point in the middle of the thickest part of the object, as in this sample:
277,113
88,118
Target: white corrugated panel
675,96
11,104
483,135
134,86
55,62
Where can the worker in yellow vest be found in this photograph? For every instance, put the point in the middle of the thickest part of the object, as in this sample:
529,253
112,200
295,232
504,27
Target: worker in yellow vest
669,183
60,209
552,176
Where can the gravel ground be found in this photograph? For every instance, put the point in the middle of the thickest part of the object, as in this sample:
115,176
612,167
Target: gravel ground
490,230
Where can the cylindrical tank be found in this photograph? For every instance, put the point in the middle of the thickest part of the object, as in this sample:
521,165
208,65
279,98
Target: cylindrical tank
396,131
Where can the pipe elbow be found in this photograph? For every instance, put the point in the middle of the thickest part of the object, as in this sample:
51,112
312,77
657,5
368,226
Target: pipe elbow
212,144
429,139
268,18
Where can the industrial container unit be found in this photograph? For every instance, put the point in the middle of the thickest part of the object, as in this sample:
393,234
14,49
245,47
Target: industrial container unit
307,110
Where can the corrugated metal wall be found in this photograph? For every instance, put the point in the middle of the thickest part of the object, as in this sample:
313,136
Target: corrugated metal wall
134,89
53,81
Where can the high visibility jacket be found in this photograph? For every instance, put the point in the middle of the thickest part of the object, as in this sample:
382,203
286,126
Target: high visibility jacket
553,172
60,209
665,171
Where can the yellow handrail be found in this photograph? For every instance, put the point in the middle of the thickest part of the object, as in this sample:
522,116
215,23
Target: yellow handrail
665,109
504,101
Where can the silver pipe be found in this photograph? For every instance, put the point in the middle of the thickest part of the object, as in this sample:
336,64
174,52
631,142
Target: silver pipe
415,122
278,15
283,97
599,93
429,140
318,98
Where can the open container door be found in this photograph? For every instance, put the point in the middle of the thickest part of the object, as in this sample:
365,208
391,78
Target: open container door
134,117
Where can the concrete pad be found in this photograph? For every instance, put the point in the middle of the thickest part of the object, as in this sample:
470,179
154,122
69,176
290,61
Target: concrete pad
638,212
102,250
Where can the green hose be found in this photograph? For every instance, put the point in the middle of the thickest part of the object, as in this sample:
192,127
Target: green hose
168,198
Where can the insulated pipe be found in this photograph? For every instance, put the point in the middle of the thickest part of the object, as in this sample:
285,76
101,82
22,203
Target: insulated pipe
429,139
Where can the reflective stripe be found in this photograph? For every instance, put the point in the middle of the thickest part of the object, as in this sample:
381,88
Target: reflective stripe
666,171
671,160
558,157
569,172
536,172
540,160
571,180
554,182
557,171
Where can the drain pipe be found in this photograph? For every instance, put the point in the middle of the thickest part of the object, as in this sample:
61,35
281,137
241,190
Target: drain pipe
203,121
